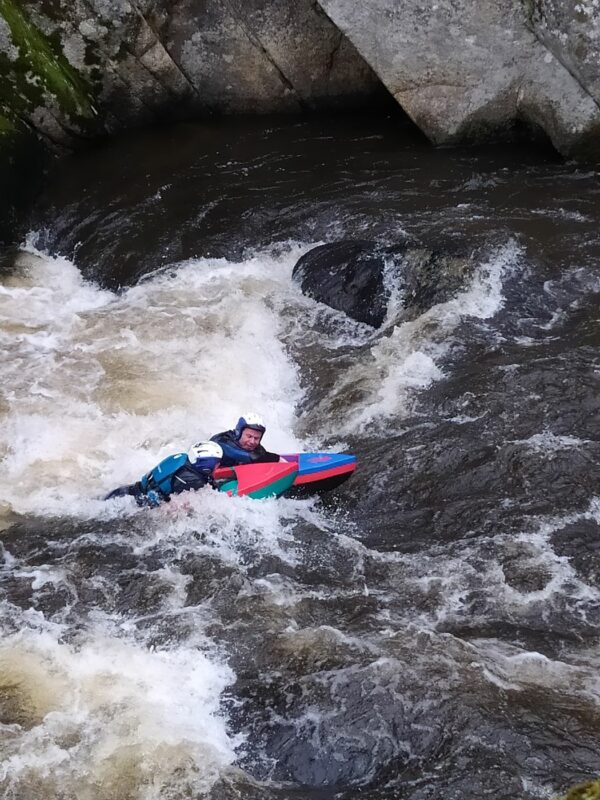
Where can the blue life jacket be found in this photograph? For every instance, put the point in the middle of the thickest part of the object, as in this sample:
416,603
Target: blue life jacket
161,477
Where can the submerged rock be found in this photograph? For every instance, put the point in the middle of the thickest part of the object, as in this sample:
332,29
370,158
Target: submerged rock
348,276
360,277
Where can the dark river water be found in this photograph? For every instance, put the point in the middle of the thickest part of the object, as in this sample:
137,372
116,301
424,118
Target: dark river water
429,630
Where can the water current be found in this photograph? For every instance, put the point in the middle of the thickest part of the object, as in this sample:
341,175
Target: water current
431,629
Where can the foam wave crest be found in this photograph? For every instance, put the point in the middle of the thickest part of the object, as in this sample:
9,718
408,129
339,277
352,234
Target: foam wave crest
383,382
108,719
97,386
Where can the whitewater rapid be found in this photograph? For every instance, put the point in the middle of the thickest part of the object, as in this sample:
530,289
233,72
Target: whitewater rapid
429,629
97,387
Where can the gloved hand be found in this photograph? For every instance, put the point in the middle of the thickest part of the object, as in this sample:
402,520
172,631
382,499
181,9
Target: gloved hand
150,498
153,498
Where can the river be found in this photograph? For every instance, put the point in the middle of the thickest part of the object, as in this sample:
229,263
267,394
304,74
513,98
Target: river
430,629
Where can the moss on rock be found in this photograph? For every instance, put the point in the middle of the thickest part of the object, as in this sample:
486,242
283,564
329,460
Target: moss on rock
35,79
34,72
584,791
7,126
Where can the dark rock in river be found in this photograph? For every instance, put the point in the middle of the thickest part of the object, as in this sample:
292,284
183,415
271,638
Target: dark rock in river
358,277
348,276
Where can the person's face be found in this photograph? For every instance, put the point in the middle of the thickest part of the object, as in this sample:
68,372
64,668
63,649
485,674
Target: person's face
250,439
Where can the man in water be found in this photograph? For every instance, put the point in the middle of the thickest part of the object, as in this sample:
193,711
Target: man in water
175,474
242,445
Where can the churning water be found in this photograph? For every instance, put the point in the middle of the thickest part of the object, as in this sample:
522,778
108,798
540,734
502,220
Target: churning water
429,630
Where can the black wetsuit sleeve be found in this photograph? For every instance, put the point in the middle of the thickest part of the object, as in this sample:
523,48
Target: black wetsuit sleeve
186,479
265,456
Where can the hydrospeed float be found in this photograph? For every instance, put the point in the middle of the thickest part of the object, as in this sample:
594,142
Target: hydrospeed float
270,479
320,472
299,475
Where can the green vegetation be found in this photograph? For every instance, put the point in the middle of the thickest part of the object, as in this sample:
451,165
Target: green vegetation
6,126
532,10
36,71
34,74
584,791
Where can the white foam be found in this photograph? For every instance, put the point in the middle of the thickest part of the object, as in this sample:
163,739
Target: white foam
549,443
386,378
98,387
109,712
509,667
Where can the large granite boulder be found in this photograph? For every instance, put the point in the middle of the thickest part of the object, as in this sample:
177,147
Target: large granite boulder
360,277
571,33
266,55
462,69
72,70
79,68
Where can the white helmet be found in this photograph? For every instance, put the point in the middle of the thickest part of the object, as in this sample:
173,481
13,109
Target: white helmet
250,420
205,455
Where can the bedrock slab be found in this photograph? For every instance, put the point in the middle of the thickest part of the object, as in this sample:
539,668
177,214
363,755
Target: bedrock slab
462,68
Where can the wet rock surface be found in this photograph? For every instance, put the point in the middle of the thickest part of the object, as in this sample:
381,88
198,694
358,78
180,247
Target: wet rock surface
360,277
579,542
107,66
348,276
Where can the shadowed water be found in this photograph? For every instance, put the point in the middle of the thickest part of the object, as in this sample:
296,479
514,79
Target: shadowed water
428,630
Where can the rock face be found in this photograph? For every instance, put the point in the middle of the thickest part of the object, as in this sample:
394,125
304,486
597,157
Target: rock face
119,63
461,69
264,55
571,32
359,277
